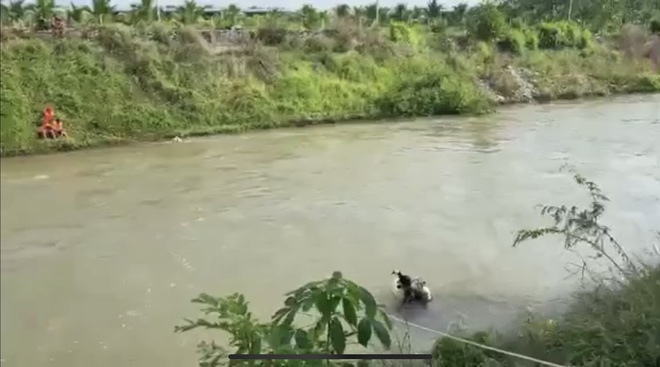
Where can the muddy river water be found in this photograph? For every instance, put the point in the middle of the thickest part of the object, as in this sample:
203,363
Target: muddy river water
103,249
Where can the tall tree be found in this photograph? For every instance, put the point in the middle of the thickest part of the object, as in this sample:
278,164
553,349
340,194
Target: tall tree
400,12
433,9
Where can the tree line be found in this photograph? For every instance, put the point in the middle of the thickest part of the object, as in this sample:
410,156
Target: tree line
594,14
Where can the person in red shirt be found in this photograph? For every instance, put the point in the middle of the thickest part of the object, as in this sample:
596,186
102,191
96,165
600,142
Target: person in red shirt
46,130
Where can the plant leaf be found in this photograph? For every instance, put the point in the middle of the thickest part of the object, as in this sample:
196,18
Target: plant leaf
349,311
322,303
386,318
382,333
255,347
369,302
307,304
364,332
280,335
302,340
319,328
334,302
337,337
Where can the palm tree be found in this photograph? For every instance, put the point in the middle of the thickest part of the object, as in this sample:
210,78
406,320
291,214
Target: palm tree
433,9
232,14
15,11
102,10
144,11
400,12
77,13
459,13
190,12
42,9
371,12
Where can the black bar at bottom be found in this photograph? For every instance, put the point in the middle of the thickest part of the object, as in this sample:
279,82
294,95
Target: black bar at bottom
330,356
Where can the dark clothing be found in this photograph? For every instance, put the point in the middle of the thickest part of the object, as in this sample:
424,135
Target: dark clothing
405,282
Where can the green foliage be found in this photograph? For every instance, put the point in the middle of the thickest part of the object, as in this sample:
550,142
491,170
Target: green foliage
531,40
582,227
654,26
432,89
450,352
487,22
513,41
401,32
563,34
342,311
484,52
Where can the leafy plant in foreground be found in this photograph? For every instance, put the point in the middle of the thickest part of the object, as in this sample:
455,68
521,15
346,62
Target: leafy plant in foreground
582,226
343,314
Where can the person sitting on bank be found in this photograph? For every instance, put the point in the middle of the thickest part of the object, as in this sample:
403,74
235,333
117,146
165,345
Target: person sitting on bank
46,130
58,129
51,127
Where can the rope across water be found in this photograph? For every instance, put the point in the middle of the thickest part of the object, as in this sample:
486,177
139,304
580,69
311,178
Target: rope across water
470,342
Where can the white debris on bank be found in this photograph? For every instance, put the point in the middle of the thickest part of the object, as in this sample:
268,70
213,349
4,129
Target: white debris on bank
520,87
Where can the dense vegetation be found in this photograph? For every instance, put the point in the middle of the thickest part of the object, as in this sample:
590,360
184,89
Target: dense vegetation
616,323
150,73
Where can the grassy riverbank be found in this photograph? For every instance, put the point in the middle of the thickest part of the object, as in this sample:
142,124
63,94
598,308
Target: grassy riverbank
603,326
614,321
117,83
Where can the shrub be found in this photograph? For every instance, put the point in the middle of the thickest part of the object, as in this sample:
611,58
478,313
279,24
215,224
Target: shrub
513,41
531,39
518,23
484,52
585,40
401,32
319,43
451,353
563,34
432,89
486,22
271,36
550,36
654,26
439,26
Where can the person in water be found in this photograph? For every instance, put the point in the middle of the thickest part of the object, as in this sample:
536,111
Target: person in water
405,283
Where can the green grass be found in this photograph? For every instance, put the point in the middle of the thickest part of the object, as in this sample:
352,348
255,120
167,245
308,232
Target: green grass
615,325
153,82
